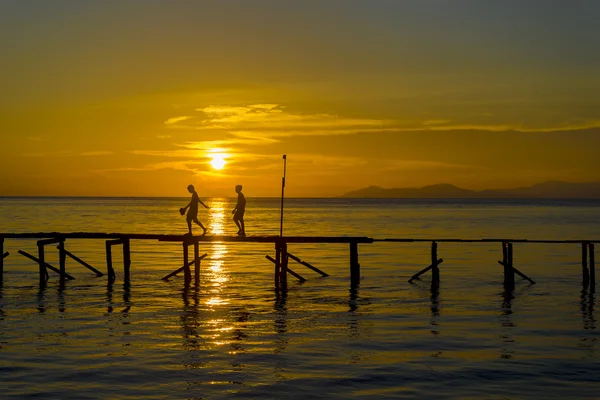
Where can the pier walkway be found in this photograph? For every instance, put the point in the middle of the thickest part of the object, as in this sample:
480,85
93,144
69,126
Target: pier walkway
281,259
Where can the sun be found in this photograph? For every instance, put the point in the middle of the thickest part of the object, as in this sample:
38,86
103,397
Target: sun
218,161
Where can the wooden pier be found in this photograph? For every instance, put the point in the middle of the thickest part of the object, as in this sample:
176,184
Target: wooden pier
281,259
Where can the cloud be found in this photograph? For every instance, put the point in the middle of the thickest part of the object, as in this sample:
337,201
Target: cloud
175,120
95,153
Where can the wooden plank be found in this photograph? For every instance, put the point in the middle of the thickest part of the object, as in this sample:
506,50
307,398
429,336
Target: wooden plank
584,268
354,265
592,266
296,275
435,270
418,274
307,265
126,260
80,261
46,265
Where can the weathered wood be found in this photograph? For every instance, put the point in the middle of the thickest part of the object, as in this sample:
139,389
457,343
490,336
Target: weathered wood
46,265
592,264
435,270
186,264
80,261
584,268
196,263
109,266
52,240
354,265
42,264
277,264
418,274
307,265
294,274
516,271
4,255
284,266
62,257
126,260
509,272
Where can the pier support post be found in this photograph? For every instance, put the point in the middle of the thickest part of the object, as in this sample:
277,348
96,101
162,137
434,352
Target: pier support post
126,260
509,272
584,268
186,270
354,265
277,263
109,266
284,266
42,263
435,270
196,263
2,255
62,256
592,266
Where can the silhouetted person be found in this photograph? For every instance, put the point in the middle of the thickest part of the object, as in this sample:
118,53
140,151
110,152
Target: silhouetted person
238,211
192,214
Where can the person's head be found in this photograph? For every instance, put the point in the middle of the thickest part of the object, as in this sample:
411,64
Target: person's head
191,188
238,188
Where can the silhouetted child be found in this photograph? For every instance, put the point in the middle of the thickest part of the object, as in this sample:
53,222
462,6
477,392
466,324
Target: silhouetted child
192,214
238,211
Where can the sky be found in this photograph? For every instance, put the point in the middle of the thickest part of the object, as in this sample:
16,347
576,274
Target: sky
142,98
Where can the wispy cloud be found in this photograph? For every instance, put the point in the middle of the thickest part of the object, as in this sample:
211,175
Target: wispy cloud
95,153
175,120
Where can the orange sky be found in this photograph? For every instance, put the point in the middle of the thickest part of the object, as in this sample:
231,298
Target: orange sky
132,98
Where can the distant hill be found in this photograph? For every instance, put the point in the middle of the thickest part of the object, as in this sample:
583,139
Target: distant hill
550,189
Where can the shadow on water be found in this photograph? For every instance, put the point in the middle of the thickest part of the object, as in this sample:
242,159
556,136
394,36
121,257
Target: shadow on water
507,324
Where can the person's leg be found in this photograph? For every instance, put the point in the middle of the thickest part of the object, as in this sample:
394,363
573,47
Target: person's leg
237,223
200,224
243,226
189,222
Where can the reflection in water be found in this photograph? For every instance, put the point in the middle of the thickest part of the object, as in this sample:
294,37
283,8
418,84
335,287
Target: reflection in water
41,299
109,298
280,321
61,300
587,302
435,309
587,309
507,325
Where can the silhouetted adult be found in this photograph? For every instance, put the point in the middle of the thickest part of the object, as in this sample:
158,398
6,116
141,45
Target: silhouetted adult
238,211
192,214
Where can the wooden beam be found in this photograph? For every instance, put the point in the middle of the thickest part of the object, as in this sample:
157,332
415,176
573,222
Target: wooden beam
307,265
184,266
418,274
62,257
435,270
109,267
80,261
592,264
294,274
46,265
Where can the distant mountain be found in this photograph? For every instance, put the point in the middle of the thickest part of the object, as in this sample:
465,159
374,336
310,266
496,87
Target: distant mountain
550,189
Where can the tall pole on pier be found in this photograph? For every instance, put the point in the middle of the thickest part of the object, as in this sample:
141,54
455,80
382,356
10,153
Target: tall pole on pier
282,191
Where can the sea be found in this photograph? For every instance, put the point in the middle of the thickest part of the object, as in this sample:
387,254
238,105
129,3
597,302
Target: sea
234,336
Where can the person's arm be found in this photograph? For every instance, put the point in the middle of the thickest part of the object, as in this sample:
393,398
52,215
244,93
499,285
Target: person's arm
235,208
186,207
200,201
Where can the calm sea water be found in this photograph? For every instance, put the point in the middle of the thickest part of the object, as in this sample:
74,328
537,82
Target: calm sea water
233,337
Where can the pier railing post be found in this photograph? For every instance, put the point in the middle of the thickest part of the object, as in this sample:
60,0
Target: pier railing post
126,260
354,265
435,270
592,266
196,263
62,256
584,267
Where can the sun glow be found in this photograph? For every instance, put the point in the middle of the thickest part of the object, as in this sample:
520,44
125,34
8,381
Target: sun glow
217,161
